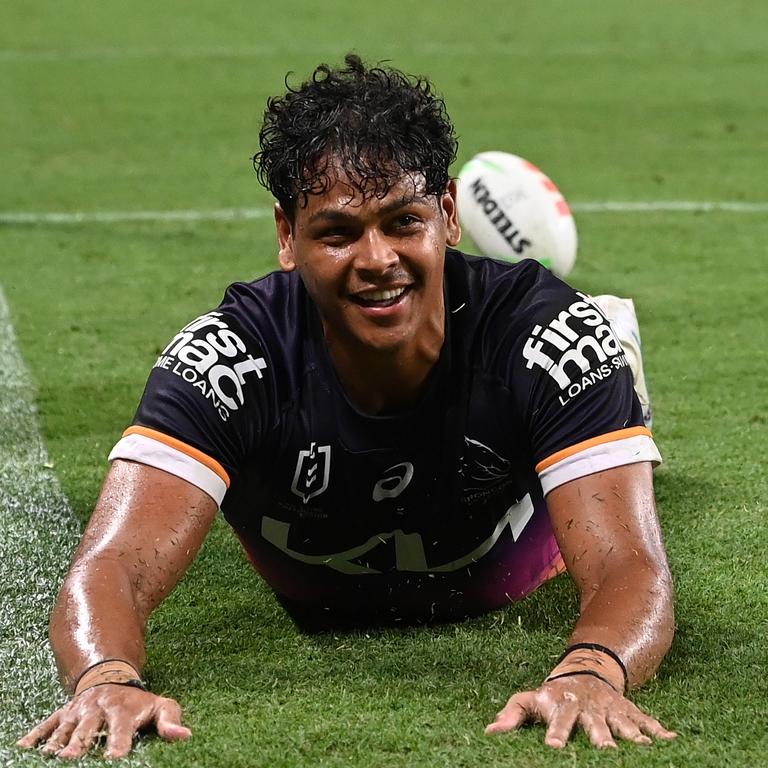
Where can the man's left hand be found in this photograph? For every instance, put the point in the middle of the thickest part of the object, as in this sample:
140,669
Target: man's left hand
583,700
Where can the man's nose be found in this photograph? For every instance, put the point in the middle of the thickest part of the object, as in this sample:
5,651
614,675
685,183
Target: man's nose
375,253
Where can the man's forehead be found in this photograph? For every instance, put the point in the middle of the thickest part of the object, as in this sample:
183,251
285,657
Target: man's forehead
344,198
346,192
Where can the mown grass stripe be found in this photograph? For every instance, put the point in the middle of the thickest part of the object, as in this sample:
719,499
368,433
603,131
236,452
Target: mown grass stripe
106,53
38,533
238,214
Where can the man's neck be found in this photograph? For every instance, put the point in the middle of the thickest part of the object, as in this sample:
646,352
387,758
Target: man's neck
384,382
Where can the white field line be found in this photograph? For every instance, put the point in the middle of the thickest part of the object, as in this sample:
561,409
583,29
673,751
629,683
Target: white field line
670,206
38,533
109,217
240,214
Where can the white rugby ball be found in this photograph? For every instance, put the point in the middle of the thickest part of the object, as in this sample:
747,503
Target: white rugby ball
512,211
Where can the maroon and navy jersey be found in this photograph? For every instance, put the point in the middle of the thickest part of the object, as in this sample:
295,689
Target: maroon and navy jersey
434,511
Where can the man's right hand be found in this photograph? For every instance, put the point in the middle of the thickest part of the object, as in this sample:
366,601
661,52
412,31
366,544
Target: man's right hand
146,529
118,711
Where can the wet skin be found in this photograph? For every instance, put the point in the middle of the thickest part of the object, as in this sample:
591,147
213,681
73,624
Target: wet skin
374,269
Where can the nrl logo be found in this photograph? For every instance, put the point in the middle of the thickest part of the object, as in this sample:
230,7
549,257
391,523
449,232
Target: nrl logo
312,470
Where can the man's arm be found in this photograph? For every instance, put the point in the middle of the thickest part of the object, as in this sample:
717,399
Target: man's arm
145,531
609,536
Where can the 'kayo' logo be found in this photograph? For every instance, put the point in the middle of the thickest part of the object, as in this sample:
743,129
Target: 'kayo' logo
409,554
312,470
566,352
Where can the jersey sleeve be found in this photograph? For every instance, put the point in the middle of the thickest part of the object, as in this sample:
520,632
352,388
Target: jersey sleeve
204,407
574,386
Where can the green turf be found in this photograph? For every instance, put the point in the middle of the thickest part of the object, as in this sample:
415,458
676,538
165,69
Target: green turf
147,106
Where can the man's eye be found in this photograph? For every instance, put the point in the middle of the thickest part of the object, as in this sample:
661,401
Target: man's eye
335,235
406,220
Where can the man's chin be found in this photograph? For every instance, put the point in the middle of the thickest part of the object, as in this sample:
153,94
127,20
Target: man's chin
384,342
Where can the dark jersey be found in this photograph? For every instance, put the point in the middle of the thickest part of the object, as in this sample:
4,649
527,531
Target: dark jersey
436,511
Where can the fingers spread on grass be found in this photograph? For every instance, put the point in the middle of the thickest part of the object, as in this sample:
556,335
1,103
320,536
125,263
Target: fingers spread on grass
653,727
83,737
561,723
39,732
594,706
625,728
642,723
120,736
518,710
168,721
60,737
597,730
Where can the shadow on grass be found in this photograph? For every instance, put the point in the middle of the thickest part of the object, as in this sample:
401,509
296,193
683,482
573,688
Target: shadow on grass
245,640
678,493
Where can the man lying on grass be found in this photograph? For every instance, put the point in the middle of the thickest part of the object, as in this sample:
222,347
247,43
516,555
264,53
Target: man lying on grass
384,425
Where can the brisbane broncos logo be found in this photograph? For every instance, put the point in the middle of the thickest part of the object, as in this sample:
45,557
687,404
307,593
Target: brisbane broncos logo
481,466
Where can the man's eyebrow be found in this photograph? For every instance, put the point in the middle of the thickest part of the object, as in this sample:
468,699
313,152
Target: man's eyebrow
405,201
329,214
341,214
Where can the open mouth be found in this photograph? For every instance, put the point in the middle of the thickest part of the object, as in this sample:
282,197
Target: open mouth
383,298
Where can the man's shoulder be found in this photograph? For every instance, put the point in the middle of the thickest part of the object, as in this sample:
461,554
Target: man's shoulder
269,309
276,291
228,368
259,326
492,289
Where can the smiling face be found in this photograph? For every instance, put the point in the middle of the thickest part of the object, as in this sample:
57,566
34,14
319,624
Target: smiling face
373,267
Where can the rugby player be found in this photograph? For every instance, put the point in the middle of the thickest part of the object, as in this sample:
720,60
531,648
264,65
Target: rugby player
395,430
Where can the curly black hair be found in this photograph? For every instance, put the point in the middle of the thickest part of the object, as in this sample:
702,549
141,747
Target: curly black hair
375,124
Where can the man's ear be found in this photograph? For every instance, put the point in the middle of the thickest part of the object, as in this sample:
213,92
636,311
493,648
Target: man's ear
450,214
284,239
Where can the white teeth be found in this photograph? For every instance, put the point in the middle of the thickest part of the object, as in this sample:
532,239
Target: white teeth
383,295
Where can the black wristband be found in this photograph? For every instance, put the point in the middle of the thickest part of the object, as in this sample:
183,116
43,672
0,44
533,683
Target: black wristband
589,672
135,683
96,664
602,649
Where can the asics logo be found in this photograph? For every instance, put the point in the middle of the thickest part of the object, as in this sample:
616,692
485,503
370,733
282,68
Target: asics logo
392,485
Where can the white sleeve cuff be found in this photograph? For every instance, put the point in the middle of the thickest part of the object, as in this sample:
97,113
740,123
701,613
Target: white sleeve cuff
596,458
155,453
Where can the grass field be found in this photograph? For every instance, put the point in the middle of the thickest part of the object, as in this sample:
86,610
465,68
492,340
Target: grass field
146,106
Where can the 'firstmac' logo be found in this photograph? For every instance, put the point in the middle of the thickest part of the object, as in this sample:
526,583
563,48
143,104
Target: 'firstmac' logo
579,341
212,358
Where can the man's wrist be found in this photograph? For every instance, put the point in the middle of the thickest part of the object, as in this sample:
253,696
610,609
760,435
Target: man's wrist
109,671
592,659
